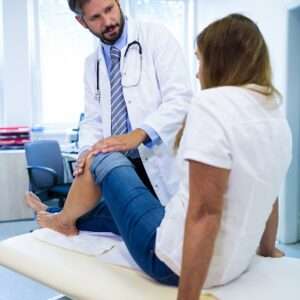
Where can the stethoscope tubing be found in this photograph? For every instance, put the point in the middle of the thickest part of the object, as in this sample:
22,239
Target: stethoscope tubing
125,54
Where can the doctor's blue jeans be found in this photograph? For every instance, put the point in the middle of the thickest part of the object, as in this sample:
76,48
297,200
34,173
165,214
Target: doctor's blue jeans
129,210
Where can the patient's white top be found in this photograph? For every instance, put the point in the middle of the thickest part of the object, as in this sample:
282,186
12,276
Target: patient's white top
234,128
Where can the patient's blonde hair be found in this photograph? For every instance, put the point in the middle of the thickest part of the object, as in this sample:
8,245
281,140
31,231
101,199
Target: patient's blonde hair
233,53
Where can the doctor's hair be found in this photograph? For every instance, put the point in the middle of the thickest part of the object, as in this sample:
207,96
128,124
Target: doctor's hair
76,6
233,52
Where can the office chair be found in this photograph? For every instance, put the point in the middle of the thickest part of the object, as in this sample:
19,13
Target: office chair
46,170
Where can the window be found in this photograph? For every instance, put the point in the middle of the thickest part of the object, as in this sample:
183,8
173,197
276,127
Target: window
173,14
63,47
177,15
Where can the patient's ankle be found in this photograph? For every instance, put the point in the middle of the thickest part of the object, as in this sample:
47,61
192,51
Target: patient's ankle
65,219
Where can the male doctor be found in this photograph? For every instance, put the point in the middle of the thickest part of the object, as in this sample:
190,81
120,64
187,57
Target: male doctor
137,92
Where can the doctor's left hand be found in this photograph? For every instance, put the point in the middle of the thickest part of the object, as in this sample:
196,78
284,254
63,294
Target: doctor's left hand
121,143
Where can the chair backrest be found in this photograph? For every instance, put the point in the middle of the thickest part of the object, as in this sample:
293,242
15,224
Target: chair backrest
45,153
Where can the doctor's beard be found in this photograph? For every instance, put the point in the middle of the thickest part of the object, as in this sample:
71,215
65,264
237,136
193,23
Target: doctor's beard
118,27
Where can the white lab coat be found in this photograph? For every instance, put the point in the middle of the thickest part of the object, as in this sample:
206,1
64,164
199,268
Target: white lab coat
160,100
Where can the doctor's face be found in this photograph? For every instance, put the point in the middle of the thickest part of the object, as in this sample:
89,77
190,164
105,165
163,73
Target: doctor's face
103,18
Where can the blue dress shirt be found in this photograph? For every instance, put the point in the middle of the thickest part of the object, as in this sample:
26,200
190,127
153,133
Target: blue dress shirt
154,138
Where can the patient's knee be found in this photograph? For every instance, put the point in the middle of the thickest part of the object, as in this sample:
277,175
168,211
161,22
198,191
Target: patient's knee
87,166
102,163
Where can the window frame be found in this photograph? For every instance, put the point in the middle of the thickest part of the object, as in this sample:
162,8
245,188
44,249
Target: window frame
191,26
35,61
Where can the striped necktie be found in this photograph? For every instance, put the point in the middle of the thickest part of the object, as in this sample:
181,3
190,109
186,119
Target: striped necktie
118,104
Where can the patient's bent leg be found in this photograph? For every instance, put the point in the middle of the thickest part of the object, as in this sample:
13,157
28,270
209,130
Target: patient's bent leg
135,210
82,197
99,219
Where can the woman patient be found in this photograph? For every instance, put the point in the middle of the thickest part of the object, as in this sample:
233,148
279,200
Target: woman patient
233,156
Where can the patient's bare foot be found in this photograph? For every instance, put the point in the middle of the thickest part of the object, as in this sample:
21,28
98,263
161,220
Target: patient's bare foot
56,222
34,202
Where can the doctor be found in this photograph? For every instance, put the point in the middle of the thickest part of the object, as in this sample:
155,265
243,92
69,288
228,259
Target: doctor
137,91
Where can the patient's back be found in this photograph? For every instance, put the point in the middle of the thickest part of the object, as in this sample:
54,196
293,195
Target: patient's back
256,145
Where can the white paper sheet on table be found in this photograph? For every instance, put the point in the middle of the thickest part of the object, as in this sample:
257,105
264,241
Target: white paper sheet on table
106,246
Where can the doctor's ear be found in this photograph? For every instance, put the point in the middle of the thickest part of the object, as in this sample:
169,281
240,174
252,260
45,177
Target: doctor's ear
81,21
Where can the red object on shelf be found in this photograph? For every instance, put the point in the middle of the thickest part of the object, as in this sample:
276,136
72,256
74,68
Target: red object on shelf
14,129
14,137
14,142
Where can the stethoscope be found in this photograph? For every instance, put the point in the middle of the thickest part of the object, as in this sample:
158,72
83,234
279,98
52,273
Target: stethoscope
124,84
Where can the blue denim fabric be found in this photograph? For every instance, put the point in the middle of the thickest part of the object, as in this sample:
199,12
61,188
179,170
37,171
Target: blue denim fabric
53,209
98,220
134,210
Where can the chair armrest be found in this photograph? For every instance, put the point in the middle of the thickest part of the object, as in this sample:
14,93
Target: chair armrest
45,169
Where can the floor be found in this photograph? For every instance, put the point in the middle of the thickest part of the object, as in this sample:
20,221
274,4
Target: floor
18,287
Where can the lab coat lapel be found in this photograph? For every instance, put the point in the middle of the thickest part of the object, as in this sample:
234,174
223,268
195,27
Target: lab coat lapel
130,65
132,36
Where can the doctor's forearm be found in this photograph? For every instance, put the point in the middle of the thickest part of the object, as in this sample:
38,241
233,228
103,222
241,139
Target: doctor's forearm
153,138
140,135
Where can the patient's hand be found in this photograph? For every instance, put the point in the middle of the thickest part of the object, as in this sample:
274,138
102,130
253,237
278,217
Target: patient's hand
275,253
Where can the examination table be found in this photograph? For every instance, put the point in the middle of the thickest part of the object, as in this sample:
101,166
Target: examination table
85,277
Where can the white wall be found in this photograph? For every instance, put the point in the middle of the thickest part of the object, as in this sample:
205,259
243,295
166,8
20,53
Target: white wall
271,17
1,67
16,65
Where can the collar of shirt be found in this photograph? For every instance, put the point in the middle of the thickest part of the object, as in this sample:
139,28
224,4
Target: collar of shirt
120,43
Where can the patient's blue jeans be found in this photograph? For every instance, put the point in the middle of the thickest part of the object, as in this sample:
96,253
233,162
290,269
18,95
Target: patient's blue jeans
129,210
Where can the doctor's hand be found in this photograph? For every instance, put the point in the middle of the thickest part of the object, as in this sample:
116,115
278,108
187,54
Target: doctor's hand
80,163
121,143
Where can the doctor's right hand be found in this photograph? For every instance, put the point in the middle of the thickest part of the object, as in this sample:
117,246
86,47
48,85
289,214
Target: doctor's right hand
80,163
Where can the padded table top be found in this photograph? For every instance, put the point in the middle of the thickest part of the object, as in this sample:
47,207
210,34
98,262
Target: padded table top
85,277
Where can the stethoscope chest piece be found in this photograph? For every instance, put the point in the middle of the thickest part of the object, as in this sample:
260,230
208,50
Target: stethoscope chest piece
97,96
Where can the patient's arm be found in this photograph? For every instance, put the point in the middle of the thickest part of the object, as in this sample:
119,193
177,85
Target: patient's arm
207,187
267,243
